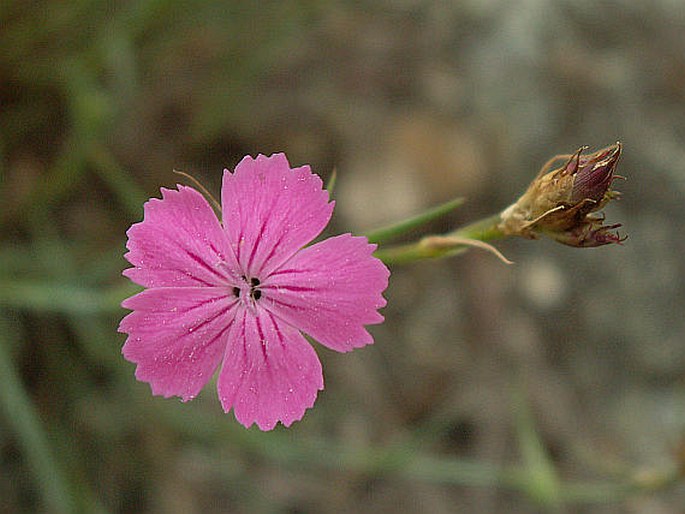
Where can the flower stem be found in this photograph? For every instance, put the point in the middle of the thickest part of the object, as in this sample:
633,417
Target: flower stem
486,229
453,243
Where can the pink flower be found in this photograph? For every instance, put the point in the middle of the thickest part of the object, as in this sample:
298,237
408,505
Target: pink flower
237,293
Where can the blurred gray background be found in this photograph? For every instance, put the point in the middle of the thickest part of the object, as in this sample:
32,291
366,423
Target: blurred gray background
553,385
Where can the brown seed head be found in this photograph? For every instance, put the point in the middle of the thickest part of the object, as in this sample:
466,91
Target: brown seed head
563,203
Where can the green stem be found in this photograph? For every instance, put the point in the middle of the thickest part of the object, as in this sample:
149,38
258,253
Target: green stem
486,229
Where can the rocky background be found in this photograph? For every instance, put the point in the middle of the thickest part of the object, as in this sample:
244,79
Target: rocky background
556,384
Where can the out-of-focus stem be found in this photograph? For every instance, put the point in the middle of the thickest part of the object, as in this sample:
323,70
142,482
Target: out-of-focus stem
405,461
31,434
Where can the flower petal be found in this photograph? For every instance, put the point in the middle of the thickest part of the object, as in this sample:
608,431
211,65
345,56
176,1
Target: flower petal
177,336
270,372
179,243
330,290
270,211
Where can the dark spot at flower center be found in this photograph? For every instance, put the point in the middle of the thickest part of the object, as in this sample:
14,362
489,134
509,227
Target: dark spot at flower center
255,292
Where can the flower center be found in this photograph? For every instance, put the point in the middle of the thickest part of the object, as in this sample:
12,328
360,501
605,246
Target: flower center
251,286
254,289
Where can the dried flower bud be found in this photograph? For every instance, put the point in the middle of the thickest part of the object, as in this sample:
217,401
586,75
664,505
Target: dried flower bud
563,203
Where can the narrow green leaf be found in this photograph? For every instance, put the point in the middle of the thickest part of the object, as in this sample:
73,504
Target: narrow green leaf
330,185
385,234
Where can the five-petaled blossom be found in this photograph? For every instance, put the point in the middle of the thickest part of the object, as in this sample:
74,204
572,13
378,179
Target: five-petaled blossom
238,293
